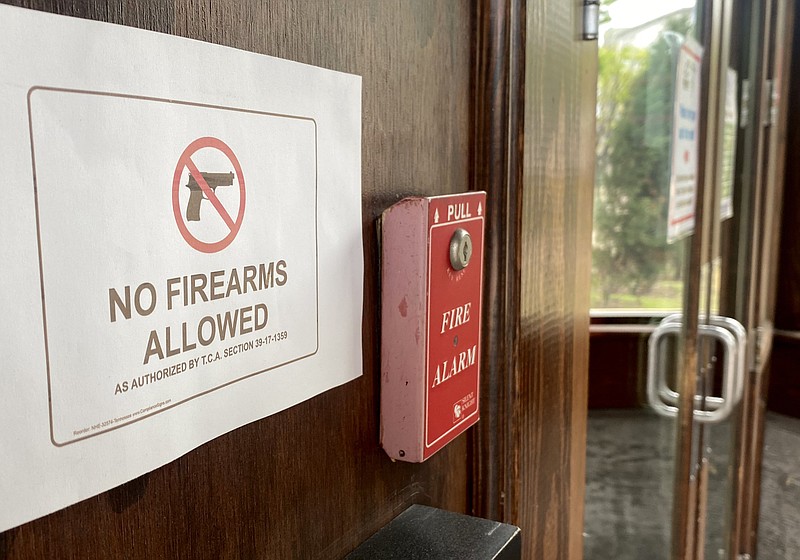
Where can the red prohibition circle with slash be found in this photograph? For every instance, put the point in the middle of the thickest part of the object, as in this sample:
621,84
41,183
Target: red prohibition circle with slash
186,161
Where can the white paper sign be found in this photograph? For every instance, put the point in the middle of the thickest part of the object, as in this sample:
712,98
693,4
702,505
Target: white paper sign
182,249
729,134
686,118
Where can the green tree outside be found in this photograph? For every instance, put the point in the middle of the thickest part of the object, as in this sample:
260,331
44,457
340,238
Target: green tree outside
631,255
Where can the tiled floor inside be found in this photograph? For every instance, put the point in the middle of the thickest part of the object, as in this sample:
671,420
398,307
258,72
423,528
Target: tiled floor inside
779,524
629,487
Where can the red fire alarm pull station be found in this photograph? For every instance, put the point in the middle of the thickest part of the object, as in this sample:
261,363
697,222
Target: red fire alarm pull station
432,281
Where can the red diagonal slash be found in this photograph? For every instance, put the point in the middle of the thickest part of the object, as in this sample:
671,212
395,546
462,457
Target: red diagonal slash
209,192
185,162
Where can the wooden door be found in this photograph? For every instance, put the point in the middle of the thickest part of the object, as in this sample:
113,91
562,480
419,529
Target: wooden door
312,481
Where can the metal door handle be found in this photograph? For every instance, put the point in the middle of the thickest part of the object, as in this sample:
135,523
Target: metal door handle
670,396
732,336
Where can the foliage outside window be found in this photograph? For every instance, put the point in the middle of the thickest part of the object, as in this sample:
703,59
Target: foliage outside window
633,265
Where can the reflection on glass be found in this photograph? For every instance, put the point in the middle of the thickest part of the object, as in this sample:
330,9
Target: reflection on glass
633,264
630,463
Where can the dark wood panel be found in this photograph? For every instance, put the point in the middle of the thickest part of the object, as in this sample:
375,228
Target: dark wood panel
310,482
616,368
498,103
534,154
560,84
787,313
784,377
784,390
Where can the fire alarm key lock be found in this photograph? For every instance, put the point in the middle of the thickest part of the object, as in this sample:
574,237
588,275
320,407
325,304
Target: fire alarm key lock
432,280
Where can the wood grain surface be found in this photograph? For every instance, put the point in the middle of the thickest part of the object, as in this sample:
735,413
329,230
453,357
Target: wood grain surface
534,154
498,103
310,482
555,244
491,95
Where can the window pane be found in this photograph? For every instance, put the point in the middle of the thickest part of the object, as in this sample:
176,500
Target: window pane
633,264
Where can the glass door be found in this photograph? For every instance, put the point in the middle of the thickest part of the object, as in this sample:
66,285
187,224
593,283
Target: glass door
749,240
646,255
673,239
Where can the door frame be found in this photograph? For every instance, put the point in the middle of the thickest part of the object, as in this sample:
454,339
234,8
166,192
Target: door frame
534,368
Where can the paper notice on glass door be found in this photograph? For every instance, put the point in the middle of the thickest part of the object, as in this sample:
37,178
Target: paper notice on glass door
686,118
182,249
729,134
